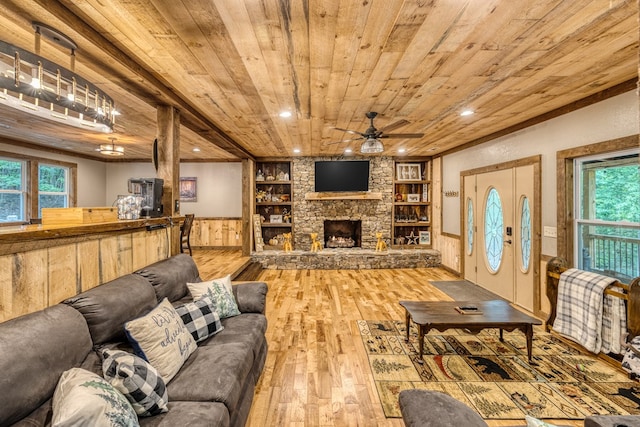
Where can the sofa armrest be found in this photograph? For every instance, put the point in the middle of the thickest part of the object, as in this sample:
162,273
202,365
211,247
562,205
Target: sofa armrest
250,296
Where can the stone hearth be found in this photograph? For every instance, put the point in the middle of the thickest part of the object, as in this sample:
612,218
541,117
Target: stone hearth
347,259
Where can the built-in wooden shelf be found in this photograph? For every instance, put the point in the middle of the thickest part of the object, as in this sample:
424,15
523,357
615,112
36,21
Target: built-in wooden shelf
347,195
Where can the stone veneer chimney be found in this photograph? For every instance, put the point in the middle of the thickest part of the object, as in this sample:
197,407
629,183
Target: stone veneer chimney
309,215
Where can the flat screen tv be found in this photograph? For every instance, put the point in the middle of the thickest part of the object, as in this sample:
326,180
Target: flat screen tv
342,175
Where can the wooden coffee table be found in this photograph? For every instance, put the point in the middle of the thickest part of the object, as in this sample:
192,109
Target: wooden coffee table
442,315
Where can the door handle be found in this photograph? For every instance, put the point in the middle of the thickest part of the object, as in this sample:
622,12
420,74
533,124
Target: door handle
508,241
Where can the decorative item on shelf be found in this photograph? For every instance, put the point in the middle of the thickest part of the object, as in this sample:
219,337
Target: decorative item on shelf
286,246
398,197
412,239
35,85
286,216
380,244
260,195
413,198
285,198
275,219
286,177
273,241
316,246
400,240
407,172
425,237
259,176
280,176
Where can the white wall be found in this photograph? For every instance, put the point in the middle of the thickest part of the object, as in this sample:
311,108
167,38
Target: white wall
219,186
613,118
91,174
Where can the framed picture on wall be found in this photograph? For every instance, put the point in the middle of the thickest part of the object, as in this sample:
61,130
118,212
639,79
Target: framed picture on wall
425,237
188,189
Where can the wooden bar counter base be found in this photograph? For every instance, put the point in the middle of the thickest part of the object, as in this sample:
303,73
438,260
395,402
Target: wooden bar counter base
442,315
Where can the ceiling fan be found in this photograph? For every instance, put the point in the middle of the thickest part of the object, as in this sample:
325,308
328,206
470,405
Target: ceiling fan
372,136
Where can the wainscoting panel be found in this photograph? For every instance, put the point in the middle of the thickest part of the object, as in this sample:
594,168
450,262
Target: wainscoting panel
216,232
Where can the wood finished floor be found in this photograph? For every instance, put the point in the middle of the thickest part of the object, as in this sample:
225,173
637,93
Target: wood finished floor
316,372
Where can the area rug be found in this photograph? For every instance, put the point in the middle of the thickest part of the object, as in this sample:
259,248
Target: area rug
494,377
463,290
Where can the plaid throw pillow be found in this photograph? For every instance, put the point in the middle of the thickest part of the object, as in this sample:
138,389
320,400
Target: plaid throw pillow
201,318
137,380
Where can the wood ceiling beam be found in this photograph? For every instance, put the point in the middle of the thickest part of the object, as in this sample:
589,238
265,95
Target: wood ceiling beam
191,117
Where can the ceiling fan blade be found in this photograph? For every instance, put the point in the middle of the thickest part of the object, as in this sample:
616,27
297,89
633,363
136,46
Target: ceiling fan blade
402,135
394,125
350,131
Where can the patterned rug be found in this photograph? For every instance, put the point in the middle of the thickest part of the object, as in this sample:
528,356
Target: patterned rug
494,377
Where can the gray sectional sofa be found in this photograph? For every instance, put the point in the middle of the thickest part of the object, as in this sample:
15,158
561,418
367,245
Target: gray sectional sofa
214,387
426,408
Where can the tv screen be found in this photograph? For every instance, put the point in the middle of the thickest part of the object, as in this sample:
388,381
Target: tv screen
342,175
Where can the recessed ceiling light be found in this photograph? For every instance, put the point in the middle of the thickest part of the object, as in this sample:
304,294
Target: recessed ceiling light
467,113
401,150
296,150
285,114
348,150
196,150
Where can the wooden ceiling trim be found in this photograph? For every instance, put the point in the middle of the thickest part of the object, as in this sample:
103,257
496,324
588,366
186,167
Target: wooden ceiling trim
624,87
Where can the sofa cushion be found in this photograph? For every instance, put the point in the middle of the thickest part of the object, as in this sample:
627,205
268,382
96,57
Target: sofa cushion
35,350
161,338
200,318
215,289
191,414
83,398
248,328
426,408
107,307
169,277
250,296
137,380
213,374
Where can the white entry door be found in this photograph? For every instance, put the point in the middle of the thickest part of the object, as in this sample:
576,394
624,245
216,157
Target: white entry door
495,232
498,230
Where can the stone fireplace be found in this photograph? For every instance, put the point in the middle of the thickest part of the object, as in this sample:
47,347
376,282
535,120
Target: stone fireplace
373,215
342,233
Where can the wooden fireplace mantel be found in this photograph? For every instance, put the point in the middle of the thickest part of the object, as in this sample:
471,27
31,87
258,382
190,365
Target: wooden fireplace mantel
346,195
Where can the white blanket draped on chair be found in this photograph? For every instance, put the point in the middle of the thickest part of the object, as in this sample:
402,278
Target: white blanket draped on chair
584,316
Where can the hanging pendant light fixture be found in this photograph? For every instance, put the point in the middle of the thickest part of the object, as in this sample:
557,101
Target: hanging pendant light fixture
33,84
371,146
111,149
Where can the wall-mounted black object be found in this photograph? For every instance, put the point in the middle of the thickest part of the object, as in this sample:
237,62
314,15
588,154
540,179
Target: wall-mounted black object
151,191
341,175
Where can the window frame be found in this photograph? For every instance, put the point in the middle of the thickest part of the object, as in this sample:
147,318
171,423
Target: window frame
31,185
579,221
565,187
22,191
65,193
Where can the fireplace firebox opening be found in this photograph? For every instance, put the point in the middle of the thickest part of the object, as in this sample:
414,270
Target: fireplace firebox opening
342,234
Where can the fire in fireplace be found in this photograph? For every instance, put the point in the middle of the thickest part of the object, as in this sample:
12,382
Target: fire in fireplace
342,233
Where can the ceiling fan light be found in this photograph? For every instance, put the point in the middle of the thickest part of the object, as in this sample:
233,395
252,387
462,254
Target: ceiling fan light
371,146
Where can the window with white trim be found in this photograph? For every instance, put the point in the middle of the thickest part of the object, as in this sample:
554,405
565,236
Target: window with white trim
607,214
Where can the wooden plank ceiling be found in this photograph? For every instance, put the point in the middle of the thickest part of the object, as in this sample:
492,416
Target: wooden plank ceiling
231,66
